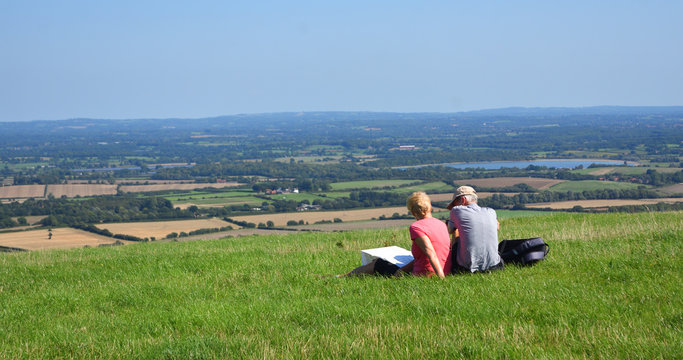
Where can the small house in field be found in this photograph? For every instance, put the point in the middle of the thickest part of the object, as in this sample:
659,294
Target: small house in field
307,207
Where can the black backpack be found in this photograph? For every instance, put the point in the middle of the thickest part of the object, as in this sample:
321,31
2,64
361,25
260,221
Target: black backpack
523,251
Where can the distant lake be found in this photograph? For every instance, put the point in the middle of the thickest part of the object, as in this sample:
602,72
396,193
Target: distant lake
495,165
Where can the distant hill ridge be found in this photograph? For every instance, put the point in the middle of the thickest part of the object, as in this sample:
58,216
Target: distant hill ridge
507,111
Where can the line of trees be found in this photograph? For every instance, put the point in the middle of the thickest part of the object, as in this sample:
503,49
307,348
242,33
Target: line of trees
498,201
94,210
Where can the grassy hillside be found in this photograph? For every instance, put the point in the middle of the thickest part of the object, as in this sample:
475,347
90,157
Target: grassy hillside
610,288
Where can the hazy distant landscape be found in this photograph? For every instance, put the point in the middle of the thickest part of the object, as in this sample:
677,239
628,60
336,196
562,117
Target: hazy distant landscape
287,170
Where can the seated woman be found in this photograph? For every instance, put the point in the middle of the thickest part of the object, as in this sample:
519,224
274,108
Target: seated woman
431,245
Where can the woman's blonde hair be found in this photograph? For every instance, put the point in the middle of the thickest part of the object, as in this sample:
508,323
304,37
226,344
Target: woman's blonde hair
419,204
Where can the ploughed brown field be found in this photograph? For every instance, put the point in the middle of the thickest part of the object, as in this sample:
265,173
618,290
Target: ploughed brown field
537,183
73,190
673,189
559,205
159,229
163,187
62,238
22,191
280,219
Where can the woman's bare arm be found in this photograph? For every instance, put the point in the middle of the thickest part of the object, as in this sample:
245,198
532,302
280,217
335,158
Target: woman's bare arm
425,244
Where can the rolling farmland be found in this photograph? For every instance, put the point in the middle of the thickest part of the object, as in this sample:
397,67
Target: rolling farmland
167,187
22,191
538,183
73,190
159,229
563,205
449,196
62,238
281,219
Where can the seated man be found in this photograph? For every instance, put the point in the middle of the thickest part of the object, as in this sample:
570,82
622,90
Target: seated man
475,233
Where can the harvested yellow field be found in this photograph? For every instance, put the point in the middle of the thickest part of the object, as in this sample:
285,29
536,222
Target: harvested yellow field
560,205
538,183
22,191
165,187
73,190
62,238
159,229
281,219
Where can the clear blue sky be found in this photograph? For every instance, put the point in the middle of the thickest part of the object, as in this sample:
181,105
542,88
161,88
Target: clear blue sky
155,59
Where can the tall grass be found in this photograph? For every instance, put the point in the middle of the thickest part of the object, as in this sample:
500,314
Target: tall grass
610,288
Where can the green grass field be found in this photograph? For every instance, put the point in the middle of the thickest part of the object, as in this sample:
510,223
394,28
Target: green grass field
199,194
23,166
370,184
437,186
610,288
628,170
298,197
200,197
578,186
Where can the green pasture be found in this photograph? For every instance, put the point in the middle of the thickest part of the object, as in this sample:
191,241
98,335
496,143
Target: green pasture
369,184
582,185
227,201
310,159
335,194
298,197
627,170
202,194
431,187
203,197
24,166
324,147
664,167
610,288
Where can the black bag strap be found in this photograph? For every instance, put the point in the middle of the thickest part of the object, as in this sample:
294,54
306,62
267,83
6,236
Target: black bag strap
535,256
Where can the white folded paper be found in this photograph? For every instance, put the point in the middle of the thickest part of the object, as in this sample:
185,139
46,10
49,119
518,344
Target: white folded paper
393,254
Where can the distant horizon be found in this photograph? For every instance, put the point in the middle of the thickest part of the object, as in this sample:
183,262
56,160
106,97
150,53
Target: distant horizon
499,110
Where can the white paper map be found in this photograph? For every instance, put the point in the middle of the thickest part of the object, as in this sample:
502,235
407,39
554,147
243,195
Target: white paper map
393,254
